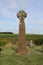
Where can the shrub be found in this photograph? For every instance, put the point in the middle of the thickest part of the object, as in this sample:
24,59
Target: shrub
3,42
38,41
0,49
6,32
14,49
14,41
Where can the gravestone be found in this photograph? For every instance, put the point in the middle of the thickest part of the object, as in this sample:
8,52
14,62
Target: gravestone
22,37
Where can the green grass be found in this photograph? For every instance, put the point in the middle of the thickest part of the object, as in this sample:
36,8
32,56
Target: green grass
30,36
10,57
34,36
14,37
8,36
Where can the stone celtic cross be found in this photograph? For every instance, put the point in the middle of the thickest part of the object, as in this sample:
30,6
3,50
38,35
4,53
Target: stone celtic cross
22,37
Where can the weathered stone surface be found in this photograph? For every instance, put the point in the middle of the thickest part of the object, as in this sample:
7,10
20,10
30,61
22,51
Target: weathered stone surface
22,38
30,43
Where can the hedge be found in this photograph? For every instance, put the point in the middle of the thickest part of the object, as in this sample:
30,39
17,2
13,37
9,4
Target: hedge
38,41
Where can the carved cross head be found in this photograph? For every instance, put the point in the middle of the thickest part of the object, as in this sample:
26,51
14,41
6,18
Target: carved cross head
21,14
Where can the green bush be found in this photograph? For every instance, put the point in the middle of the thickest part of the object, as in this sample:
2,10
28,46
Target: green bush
14,41
38,41
14,49
3,42
6,32
0,49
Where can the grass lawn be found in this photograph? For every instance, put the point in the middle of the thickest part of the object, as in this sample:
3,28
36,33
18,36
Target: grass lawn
15,36
9,57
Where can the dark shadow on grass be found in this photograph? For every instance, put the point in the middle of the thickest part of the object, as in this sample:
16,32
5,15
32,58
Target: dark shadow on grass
39,50
0,49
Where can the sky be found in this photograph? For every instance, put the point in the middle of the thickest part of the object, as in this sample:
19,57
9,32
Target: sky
8,15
